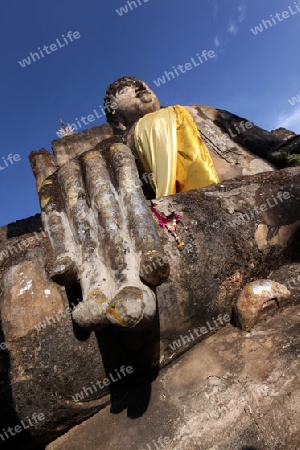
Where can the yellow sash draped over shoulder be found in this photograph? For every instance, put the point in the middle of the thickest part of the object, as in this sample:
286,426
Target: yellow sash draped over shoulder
170,146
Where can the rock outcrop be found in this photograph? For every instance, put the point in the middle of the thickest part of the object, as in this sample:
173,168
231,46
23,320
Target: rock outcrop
283,133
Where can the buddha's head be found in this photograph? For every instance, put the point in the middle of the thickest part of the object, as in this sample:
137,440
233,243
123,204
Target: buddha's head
127,100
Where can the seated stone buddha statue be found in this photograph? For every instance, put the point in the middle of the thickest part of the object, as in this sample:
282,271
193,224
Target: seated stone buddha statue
102,231
166,141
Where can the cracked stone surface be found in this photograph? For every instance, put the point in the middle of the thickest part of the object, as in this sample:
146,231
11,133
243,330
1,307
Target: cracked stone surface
234,391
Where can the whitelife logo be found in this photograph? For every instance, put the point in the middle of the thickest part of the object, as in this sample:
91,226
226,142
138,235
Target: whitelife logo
11,158
15,249
53,48
294,100
159,444
91,117
279,17
281,196
205,56
186,339
87,391
19,428
124,9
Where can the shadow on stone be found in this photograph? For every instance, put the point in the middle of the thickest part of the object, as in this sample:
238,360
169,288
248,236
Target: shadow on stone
74,295
138,348
9,418
136,400
31,225
249,448
294,247
253,138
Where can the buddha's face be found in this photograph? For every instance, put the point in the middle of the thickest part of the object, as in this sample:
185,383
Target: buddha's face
131,102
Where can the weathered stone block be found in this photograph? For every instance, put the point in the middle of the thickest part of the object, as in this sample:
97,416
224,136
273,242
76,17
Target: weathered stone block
46,369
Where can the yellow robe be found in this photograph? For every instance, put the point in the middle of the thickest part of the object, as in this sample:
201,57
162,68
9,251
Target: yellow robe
170,146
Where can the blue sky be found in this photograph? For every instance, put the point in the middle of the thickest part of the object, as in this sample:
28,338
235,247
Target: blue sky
252,75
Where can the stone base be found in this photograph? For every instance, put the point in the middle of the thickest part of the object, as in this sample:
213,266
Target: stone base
236,390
